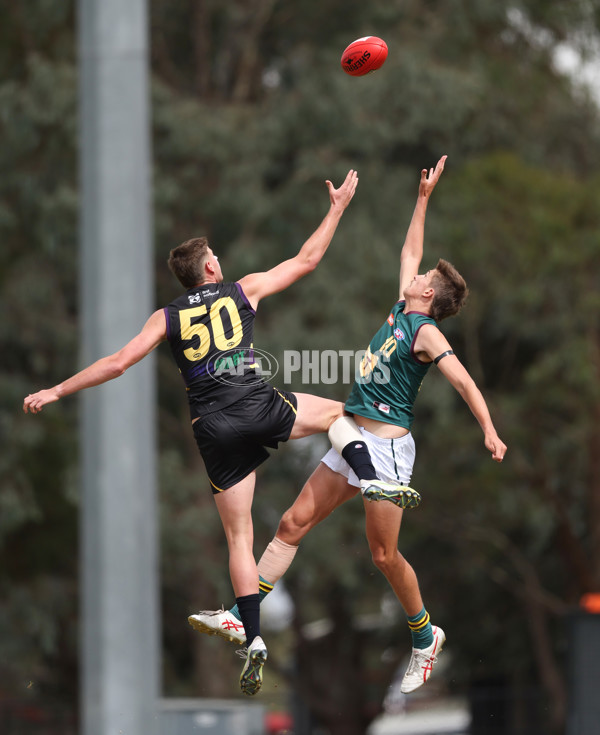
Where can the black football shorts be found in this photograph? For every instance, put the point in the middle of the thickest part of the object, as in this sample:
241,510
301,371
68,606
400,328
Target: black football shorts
232,441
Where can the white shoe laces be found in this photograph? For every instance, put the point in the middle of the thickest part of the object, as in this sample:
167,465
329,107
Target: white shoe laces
212,612
417,660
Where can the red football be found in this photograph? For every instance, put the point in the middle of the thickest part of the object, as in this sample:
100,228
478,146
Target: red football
364,55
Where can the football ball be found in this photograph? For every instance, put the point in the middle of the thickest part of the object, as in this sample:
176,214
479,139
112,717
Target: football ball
364,55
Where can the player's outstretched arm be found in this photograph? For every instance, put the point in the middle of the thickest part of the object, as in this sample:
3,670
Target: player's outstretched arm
412,250
432,343
457,374
258,285
105,369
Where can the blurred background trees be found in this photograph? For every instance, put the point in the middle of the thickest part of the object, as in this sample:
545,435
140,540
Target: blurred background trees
251,113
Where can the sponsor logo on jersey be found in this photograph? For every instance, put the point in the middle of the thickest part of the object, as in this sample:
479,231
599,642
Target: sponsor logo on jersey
398,333
196,298
390,319
383,407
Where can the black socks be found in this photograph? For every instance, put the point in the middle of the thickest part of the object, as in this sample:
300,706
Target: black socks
249,608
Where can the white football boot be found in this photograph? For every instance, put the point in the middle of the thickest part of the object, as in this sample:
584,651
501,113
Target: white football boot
422,662
219,622
251,677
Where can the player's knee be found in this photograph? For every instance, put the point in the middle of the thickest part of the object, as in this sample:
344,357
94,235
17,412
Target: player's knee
240,540
384,558
291,528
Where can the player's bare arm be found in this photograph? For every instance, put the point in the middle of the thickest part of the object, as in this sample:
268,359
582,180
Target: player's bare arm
258,285
431,345
105,369
412,250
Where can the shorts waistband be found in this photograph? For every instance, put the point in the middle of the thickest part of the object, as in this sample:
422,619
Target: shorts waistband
385,441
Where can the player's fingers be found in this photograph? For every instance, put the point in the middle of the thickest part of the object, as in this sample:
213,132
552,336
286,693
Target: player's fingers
439,168
348,178
33,404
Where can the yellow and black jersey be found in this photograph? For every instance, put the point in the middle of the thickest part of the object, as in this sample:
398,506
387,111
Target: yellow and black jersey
210,330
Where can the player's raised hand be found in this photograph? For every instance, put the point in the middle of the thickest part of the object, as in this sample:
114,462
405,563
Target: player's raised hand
430,179
36,401
496,446
340,198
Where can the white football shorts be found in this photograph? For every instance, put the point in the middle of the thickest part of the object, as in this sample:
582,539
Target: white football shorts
393,459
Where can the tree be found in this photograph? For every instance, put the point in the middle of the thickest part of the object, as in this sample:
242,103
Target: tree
531,338
38,205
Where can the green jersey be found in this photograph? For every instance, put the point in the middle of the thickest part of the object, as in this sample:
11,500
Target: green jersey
390,372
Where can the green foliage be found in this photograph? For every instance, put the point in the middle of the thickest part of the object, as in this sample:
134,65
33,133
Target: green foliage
525,241
38,267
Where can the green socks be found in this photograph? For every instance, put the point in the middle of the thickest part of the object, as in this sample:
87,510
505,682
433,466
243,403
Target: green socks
420,629
264,588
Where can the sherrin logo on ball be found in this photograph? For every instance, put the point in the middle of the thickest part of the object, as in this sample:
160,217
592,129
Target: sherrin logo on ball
364,55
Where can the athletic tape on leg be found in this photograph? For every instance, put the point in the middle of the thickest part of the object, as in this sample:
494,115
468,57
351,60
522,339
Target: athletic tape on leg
276,559
343,431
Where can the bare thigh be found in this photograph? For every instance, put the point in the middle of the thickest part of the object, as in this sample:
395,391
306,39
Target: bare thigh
314,415
382,525
323,492
235,508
